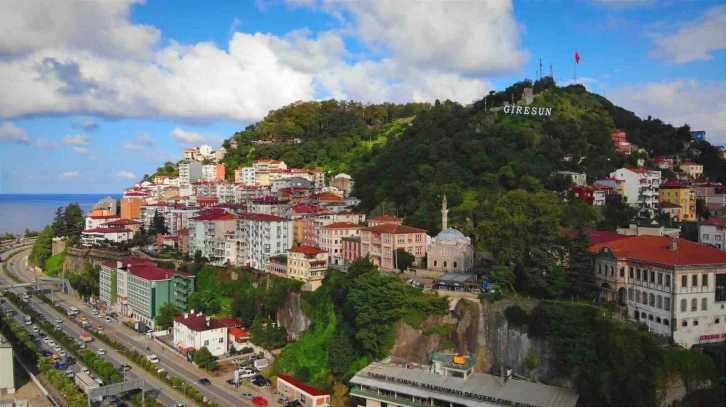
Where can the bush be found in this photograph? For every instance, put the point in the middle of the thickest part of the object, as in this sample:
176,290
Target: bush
517,316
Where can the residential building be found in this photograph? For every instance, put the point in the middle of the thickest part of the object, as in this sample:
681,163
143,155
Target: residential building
7,363
343,182
698,135
194,331
246,176
260,236
381,242
179,218
271,205
694,170
207,231
325,198
674,211
108,204
620,142
715,197
263,168
308,396
219,154
128,224
331,239
213,172
351,249
592,195
676,287
131,206
681,194
98,217
645,226
115,273
617,185
313,223
641,186
307,264
450,380
296,195
713,233
664,162
238,338
278,265
206,151
189,172
579,179
99,236
383,220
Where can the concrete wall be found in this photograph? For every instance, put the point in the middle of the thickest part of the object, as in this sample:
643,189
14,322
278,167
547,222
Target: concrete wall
78,258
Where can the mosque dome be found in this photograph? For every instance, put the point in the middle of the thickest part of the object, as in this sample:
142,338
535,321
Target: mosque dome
450,234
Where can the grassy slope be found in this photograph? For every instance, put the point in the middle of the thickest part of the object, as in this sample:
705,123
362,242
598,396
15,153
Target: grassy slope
54,265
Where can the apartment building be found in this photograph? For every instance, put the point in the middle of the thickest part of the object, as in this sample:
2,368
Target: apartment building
712,232
245,175
260,236
380,242
131,205
145,288
189,172
595,195
312,224
694,170
99,236
578,179
676,287
179,218
331,239
213,172
307,264
681,194
271,205
641,186
99,217
228,193
714,195
207,230
263,168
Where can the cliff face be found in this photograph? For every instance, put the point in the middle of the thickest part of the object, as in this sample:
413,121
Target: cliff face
291,316
482,329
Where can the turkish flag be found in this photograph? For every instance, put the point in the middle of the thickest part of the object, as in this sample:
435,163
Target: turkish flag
577,58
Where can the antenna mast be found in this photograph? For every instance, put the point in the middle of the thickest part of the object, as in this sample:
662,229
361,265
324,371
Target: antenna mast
552,72
540,68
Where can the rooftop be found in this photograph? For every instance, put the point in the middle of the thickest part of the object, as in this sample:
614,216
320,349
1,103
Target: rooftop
656,249
393,228
454,361
198,322
261,217
716,221
215,216
106,230
302,386
690,163
675,184
343,225
122,222
104,217
308,250
239,333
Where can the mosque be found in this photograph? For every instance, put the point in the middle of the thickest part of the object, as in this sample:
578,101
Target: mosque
450,250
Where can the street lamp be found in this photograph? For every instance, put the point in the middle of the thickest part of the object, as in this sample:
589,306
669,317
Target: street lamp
184,389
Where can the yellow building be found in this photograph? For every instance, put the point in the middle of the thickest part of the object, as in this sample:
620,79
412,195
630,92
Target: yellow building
695,170
307,264
681,194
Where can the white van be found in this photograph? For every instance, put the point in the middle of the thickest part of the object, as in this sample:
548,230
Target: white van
261,364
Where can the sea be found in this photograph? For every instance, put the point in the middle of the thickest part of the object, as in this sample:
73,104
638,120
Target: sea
35,211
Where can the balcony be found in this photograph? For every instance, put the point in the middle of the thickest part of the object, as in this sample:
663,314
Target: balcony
367,394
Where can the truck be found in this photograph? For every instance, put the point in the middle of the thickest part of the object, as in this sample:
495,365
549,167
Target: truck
86,383
28,319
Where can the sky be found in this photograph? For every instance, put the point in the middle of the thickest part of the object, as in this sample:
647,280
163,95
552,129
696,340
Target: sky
96,93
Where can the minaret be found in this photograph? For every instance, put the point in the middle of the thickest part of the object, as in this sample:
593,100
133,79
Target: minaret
444,215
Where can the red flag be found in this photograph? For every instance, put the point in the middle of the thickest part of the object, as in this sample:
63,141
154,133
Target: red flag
577,58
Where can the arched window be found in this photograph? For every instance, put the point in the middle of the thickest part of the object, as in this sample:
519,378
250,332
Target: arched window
657,319
435,263
704,304
444,264
652,300
637,295
695,322
650,317
454,264
694,305
684,323
642,315
659,302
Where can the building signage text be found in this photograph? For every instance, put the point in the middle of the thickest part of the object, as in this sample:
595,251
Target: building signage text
712,337
445,390
528,111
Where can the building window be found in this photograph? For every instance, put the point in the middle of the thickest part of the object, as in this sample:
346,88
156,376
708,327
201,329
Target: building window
630,294
622,271
667,303
652,276
659,303
694,305
665,321
657,319
660,278
454,264
650,317
206,343
652,300
637,274
684,323
444,264
631,273
716,321
221,340
705,236
642,315
435,263
684,281
684,305
704,280
637,295
668,280
694,280
645,298
720,287
704,304
599,268
695,322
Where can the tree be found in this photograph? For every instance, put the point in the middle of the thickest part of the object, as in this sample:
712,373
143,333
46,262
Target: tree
59,222
404,259
74,220
702,210
243,307
165,319
559,284
204,359
158,225
502,274
42,248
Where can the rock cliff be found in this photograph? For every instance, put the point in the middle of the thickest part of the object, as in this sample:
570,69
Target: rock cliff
291,316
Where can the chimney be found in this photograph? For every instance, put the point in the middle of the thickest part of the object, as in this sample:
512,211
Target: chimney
167,274
186,315
119,264
674,244
208,321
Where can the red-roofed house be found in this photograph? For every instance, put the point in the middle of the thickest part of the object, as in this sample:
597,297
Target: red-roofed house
695,170
641,186
307,264
194,331
380,242
307,395
238,338
713,233
675,286
331,239
128,224
98,236
99,217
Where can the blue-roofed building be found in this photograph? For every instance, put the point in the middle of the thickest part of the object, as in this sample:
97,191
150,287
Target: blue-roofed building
698,135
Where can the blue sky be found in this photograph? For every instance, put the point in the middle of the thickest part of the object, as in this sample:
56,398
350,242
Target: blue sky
104,92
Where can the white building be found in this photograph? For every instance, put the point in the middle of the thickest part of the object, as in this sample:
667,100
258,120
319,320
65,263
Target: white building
189,172
194,331
179,218
228,193
7,379
246,176
260,236
220,153
713,232
330,239
93,222
98,236
206,151
579,179
674,286
207,231
641,186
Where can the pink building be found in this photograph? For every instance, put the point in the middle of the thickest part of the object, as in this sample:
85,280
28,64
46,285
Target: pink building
381,241
350,249
331,239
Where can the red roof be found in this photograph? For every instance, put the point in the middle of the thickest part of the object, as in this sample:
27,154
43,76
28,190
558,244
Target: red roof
306,208
675,184
121,222
656,249
238,333
105,217
309,250
128,261
198,322
232,322
602,236
151,272
261,217
393,228
302,386
215,216
384,218
690,163
106,230
716,221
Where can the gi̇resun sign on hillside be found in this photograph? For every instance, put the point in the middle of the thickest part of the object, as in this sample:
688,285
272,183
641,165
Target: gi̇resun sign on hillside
528,111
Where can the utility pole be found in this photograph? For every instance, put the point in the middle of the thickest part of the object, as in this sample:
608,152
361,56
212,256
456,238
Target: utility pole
540,68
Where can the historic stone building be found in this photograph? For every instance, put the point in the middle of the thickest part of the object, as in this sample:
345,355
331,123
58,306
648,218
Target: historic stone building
450,250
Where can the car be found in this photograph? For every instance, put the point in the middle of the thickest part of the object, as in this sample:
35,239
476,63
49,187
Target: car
283,401
124,367
153,358
247,396
42,334
294,403
101,352
32,337
252,358
82,345
36,329
121,404
46,340
51,342
57,348
94,312
62,354
108,319
179,405
268,382
258,383
57,327
204,381
232,382
85,370
70,374
113,398
58,320
47,353
259,401
71,360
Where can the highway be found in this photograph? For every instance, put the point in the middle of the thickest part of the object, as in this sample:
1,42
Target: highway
173,364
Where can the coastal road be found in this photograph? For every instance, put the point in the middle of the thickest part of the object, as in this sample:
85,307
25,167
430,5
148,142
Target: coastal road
218,391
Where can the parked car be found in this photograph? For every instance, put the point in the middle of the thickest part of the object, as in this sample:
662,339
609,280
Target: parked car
70,374
124,367
153,358
247,396
62,354
71,360
101,352
204,381
232,382
85,370
58,320
283,401
47,353
32,337
108,319
41,334
259,401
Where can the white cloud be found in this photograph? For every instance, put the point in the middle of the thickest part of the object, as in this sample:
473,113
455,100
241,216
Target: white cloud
11,132
142,141
81,150
77,140
45,143
127,72
125,174
694,40
85,123
68,174
700,104
187,137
